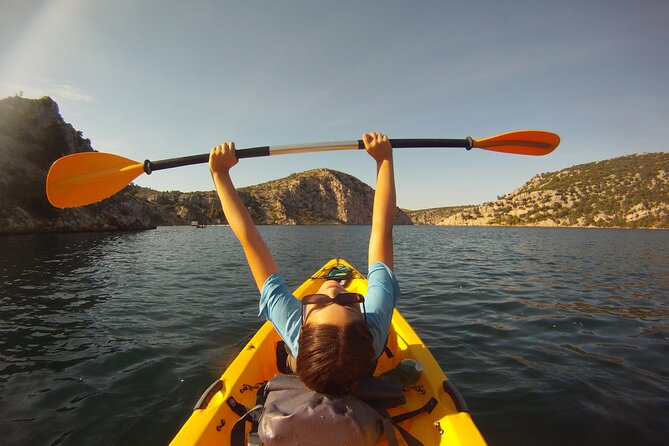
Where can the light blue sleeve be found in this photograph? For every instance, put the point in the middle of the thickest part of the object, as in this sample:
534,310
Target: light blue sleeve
383,293
282,309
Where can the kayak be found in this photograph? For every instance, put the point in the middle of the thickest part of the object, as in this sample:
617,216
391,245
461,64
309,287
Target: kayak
449,423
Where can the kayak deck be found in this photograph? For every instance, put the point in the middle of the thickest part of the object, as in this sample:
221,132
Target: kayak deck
449,423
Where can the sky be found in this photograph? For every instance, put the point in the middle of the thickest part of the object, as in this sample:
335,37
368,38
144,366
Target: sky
150,79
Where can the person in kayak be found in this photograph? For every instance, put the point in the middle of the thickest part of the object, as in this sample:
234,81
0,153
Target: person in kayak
334,343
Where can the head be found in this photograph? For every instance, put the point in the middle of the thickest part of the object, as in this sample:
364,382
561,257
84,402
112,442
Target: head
336,346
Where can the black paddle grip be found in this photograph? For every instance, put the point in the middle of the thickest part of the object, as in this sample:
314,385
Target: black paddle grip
151,166
466,143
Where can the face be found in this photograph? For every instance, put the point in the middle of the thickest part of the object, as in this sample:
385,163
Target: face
332,314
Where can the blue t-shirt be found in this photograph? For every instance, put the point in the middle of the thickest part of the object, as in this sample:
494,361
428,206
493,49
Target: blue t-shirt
279,306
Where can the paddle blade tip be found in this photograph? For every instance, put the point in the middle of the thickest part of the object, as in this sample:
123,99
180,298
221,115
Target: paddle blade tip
521,142
85,178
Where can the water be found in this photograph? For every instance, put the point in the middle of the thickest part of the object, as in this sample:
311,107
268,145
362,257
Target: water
554,336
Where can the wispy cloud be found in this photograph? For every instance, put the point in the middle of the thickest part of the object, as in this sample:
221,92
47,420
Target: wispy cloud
46,87
71,93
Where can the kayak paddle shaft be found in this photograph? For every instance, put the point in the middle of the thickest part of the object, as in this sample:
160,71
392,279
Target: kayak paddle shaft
256,152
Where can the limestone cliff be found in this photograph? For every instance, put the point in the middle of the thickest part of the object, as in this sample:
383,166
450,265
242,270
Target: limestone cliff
320,196
315,197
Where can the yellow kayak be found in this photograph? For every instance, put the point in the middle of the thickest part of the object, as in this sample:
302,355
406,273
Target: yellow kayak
449,423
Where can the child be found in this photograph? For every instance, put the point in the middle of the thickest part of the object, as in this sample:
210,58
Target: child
334,344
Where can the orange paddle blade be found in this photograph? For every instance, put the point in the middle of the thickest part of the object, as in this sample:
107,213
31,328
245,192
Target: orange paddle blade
522,142
88,177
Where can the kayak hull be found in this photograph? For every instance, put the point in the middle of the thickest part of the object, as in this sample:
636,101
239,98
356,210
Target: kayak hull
448,424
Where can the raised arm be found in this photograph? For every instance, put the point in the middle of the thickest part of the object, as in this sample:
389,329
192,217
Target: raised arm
260,260
383,217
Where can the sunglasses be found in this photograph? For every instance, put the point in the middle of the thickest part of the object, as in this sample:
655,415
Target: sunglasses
343,299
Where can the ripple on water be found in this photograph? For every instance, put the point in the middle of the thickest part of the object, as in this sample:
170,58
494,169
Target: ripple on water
552,336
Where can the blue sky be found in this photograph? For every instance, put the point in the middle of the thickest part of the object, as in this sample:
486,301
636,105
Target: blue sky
161,79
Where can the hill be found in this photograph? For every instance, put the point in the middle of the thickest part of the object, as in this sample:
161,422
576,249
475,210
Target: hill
319,196
626,192
33,135
630,191
314,197
433,215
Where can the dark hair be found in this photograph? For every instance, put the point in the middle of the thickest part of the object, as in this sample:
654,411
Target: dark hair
333,359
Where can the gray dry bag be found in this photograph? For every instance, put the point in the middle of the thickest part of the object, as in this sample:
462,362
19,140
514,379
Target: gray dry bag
288,413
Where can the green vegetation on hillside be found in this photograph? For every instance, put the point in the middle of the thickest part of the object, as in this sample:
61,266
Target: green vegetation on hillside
630,191
432,215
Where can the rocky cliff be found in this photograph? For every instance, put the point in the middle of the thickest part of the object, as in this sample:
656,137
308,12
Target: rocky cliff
629,192
314,197
320,196
32,136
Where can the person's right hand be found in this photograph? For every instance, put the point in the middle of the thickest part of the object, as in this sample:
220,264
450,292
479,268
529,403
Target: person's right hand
378,146
222,158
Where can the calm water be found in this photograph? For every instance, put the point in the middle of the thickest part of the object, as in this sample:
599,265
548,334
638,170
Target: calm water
554,336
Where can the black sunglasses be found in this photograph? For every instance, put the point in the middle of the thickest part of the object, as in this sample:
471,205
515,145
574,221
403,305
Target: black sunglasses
344,299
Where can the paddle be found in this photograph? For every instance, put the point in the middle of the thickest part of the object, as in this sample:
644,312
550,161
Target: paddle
88,177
